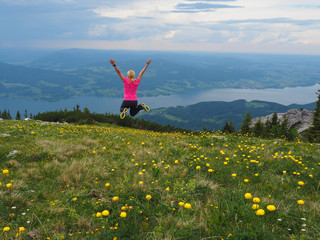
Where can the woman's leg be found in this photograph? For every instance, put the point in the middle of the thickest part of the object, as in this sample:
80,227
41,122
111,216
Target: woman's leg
124,109
125,104
134,109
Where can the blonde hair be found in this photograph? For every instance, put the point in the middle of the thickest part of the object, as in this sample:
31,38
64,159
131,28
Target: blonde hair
131,74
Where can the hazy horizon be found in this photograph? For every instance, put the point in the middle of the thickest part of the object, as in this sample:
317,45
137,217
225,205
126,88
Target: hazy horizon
25,55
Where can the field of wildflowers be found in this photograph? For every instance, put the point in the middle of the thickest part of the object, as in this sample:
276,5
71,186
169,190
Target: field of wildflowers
63,181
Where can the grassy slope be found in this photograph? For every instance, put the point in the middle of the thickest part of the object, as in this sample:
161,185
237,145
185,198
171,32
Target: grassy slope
60,172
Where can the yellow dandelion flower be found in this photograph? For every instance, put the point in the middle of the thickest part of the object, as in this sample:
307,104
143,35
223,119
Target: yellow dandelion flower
21,229
301,183
247,196
256,200
105,213
107,184
255,206
300,202
140,182
246,180
271,208
123,214
198,167
116,198
98,214
181,204
9,185
74,199
5,171
210,170
167,189
233,174
6,229
148,197
260,212
187,205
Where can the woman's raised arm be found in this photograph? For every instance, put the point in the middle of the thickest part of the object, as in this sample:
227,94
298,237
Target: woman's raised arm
113,62
144,69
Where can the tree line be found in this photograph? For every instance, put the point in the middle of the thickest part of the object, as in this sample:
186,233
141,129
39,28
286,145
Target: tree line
86,117
5,114
271,129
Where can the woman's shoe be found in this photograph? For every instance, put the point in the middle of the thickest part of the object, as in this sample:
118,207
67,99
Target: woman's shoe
123,113
145,107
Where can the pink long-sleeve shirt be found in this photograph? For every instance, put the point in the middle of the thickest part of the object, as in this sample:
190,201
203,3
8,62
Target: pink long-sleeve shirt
130,89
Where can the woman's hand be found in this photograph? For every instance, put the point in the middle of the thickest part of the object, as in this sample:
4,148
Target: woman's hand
149,61
112,61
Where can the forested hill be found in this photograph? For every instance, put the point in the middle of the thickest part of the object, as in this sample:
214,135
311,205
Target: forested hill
213,115
79,72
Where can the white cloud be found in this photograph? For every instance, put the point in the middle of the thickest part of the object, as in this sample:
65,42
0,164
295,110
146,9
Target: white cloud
307,37
170,34
98,30
115,13
139,9
233,40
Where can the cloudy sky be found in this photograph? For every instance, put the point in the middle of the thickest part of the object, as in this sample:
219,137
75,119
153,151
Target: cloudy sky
269,26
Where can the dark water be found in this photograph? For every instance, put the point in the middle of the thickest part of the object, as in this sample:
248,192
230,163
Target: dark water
286,96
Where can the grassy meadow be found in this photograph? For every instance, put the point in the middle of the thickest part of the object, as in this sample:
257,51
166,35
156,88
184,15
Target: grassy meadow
63,181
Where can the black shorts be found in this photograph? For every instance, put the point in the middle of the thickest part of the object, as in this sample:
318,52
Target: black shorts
132,105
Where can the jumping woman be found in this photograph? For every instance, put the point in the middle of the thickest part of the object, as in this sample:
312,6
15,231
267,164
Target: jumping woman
131,84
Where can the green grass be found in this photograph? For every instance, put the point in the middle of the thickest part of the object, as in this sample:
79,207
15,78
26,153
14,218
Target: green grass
60,172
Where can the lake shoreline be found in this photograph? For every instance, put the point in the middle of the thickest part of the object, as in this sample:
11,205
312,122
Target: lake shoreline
285,96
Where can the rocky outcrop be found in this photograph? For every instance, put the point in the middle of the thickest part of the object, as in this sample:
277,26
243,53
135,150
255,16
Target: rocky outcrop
300,119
